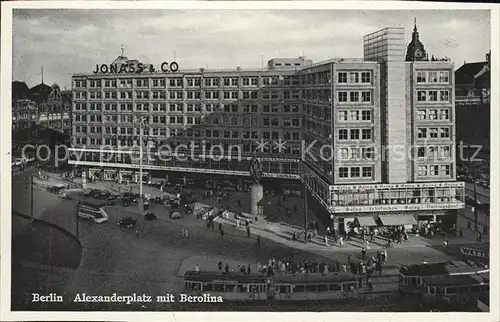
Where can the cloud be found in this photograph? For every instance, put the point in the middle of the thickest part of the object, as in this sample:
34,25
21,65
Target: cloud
69,41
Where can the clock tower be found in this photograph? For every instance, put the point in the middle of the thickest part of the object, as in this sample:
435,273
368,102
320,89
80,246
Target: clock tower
416,50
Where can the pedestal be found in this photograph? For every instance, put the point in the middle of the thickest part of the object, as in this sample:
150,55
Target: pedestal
256,194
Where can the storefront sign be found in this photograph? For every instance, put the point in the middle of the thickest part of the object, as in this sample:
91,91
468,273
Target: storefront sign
474,252
132,68
397,186
443,206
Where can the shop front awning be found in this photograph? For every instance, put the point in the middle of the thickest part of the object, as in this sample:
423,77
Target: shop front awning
366,221
397,220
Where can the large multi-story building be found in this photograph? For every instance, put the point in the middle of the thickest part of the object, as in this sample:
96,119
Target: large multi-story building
371,139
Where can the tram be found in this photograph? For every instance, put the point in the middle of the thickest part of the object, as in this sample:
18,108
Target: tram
280,287
455,290
314,286
411,277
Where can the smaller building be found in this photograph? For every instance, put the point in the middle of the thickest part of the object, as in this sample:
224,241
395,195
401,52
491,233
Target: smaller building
289,63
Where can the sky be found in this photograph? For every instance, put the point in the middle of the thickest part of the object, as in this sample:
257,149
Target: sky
73,41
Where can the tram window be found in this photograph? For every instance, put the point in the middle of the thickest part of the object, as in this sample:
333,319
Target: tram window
451,290
242,288
282,288
208,286
322,287
401,278
219,287
414,281
432,290
475,288
334,287
262,288
230,287
311,288
439,290
299,288
463,290
485,288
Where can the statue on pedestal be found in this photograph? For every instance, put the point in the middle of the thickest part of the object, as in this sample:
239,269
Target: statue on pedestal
255,169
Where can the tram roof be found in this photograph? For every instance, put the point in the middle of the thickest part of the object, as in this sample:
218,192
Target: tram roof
314,278
444,268
458,280
92,201
210,276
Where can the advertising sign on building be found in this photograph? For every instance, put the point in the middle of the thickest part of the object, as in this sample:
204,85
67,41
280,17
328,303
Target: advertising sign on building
441,206
474,252
397,186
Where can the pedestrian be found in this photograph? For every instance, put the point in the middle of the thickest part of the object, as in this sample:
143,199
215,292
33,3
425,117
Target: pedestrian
237,223
379,267
469,226
197,268
220,226
258,241
370,284
294,236
479,236
186,234
360,282
461,232
137,232
341,241
213,224
384,256
259,267
222,234
239,203
248,231
219,264
226,268
326,241
363,253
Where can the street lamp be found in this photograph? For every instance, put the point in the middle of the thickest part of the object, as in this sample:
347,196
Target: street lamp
142,125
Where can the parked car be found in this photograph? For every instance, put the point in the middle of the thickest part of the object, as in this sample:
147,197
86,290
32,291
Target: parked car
150,216
175,215
128,222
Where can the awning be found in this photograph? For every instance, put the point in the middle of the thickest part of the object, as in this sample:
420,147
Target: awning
367,221
397,220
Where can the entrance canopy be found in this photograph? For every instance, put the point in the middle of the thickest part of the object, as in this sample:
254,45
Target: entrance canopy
397,220
366,221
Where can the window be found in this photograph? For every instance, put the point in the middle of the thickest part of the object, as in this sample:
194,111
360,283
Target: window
366,134
342,77
422,133
433,77
421,152
444,132
355,172
366,77
444,96
433,114
353,78
421,96
343,116
343,172
367,172
444,77
433,96
422,170
421,77
433,133
354,134
344,153
434,170
354,96
445,170
366,115
343,134
445,151
366,96
421,115
342,96
354,115
444,114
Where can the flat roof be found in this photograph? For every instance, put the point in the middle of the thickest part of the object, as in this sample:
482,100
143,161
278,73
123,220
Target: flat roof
458,280
443,268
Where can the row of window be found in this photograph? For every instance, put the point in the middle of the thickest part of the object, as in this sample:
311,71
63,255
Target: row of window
362,115
434,170
189,82
356,153
355,96
354,77
355,134
433,96
355,172
433,77
441,151
433,133
433,114
195,95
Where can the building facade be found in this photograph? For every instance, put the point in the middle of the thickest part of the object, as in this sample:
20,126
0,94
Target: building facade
369,138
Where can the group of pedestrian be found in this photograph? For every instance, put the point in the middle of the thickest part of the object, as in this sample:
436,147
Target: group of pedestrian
185,233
